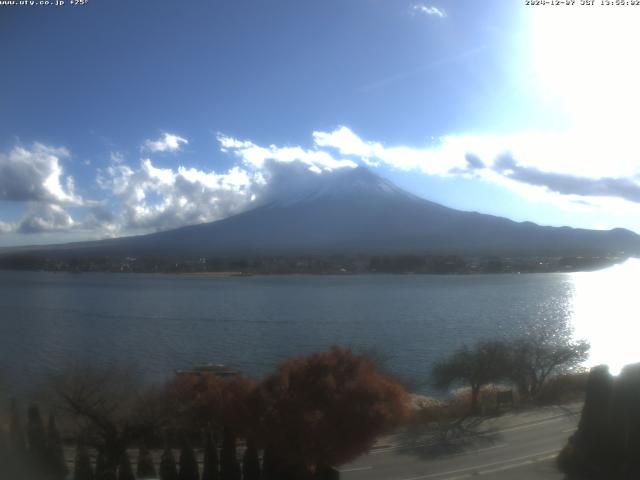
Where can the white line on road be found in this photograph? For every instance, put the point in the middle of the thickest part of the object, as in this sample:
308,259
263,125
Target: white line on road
527,426
517,465
477,468
478,450
424,444
354,469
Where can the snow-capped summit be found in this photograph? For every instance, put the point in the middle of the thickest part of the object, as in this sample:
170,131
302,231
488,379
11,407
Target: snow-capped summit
344,184
357,211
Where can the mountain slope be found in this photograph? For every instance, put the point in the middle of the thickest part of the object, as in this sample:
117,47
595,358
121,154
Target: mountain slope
356,211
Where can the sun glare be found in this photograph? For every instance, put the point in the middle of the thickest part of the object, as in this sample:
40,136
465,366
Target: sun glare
605,312
585,59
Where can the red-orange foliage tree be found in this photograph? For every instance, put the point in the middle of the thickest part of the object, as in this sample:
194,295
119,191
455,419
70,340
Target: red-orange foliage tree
205,401
325,409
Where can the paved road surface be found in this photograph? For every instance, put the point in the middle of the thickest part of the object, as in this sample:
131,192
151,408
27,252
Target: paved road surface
517,446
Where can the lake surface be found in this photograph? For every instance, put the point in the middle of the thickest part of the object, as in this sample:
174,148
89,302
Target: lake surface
164,322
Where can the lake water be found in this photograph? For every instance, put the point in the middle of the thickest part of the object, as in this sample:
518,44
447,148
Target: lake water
164,322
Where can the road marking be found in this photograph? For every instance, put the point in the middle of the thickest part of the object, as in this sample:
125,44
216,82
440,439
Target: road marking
529,425
478,450
501,469
517,465
424,444
477,468
354,469
526,426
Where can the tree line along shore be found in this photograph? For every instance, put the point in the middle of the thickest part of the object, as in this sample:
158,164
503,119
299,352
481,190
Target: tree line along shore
310,264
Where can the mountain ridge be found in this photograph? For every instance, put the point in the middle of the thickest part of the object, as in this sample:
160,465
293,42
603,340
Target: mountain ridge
359,212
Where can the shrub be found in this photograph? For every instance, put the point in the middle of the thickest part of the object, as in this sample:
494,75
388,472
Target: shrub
210,470
229,468
188,464
146,468
125,472
56,463
327,408
250,462
168,469
208,400
36,436
82,468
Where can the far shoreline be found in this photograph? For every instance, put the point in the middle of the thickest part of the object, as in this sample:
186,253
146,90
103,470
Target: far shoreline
240,274
338,264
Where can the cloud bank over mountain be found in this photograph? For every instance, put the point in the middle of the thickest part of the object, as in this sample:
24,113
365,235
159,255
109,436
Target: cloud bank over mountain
152,194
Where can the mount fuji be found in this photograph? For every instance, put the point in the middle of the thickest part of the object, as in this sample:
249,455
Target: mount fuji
355,211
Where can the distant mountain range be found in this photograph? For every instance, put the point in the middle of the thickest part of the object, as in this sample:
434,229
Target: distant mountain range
358,212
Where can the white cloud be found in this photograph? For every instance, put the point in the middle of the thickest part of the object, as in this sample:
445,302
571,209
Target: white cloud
256,156
35,174
6,227
99,219
169,142
43,218
348,143
563,169
116,157
428,159
429,10
573,170
559,167
152,198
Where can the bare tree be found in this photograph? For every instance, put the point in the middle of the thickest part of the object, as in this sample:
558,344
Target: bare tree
484,363
110,406
543,353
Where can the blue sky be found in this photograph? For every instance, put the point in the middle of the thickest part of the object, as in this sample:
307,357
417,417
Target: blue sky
122,117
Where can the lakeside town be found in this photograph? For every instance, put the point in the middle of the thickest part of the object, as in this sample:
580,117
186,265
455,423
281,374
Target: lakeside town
307,264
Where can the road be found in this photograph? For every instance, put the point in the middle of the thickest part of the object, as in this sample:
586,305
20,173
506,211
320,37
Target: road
515,446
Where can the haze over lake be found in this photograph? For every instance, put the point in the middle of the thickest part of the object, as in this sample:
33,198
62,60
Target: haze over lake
164,322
